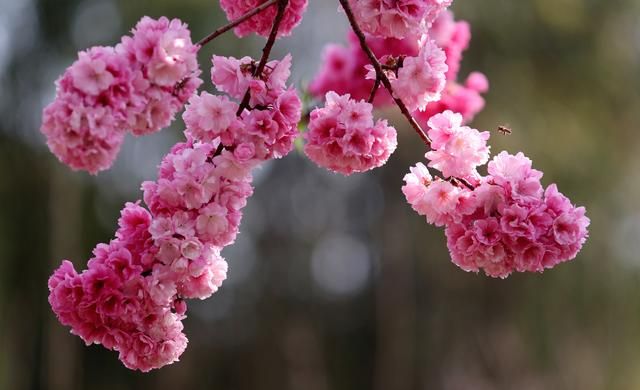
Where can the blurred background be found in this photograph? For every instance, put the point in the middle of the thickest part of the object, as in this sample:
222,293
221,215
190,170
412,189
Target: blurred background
335,283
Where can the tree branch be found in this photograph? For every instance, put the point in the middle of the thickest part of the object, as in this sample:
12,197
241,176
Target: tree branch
235,22
266,51
382,77
380,72
374,90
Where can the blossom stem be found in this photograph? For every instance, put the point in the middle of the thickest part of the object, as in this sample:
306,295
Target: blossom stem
380,72
266,51
459,181
235,22
374,91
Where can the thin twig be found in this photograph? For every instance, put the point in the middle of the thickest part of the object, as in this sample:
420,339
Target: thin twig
380,72
235,22
266,51
374,91
460,181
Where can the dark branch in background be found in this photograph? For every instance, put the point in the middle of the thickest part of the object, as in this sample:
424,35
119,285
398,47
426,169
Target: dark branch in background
380,72
235,23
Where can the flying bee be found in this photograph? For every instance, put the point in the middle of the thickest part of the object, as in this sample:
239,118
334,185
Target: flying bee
504,130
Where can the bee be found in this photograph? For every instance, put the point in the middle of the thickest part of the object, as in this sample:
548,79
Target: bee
504,130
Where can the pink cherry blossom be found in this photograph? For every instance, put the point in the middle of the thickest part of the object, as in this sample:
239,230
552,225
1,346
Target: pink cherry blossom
421,79
396,19
208,117
342,136
85,124
232,75
111,303
506,223
453,37
261,24
457,150
415,188
138,86
166,72
515,173
437,199
270,123
343,70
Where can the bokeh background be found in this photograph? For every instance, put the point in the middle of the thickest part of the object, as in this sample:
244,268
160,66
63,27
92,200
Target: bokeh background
335,283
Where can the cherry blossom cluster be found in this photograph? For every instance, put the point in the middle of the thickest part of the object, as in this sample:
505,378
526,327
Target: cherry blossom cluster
261,24
138,86
157,260
397,18
343,70
342,136
267,129
506,221
112,304
131,297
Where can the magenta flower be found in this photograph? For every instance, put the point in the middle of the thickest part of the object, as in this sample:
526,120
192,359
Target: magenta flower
343,138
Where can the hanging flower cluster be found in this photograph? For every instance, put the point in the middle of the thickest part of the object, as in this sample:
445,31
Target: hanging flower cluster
342,136
138,86
132,296
507,222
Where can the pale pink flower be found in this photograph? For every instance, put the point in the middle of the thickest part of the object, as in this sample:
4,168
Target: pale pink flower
231,75
398,18
90,73
421,79
453,37
416,183
85,125
208,117
516,174
166,72
457,150
439,202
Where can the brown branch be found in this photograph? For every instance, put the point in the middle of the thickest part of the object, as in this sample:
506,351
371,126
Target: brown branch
382,77
461,182
235,22
266,51
380,72
374,91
